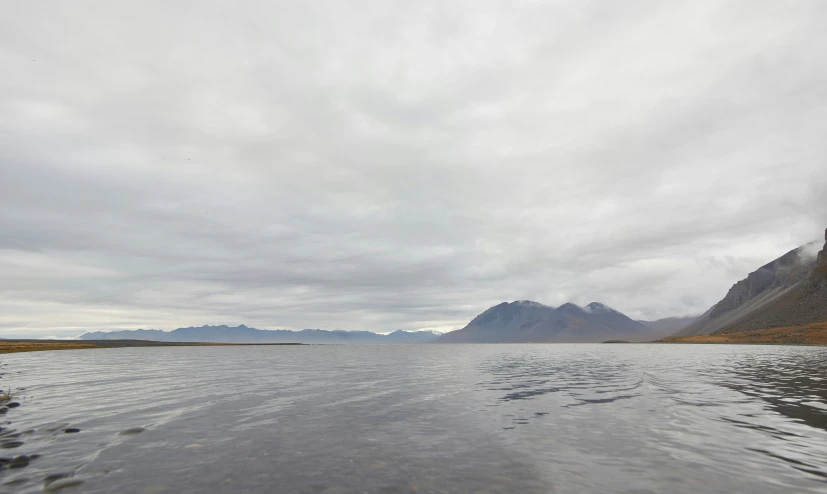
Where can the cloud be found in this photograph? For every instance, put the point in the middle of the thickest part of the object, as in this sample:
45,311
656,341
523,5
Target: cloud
403,166
810,251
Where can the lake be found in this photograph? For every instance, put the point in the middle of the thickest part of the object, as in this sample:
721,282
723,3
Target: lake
567,418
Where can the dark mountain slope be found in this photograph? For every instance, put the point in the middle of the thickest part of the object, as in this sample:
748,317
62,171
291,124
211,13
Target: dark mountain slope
503,322
804,303
761,288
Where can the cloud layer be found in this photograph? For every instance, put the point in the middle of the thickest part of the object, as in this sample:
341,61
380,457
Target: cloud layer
399,165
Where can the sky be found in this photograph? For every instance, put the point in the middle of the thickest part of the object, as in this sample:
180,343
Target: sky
383,165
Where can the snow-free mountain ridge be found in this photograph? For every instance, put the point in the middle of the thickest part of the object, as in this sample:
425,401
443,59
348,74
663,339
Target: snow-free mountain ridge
245,334
525,321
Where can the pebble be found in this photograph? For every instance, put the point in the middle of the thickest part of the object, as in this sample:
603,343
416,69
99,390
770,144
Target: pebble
13,404
11,444
71,430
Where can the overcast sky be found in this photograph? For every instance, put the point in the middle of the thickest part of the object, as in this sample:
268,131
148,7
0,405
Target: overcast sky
392,164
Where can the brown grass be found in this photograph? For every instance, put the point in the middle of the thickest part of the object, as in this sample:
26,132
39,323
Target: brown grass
12,346
34,346
805,334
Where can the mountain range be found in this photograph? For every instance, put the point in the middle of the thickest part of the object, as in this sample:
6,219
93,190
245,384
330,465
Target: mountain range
789,291
245,334
525,321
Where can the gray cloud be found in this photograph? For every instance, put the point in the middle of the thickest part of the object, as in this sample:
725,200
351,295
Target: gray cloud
400,164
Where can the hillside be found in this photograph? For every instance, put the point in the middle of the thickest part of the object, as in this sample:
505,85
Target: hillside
245,334
809,334
761,289
805,303
527,321
670,325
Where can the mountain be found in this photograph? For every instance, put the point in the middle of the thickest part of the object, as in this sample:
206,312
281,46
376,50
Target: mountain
527,321
804,303
400,336
761,292
670,325
244,334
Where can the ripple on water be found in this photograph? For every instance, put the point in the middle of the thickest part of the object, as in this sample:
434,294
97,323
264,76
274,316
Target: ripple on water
511,418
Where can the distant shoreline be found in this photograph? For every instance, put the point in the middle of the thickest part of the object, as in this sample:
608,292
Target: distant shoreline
27,345
809,335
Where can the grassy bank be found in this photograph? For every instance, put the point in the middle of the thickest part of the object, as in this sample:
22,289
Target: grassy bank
14,346
807,334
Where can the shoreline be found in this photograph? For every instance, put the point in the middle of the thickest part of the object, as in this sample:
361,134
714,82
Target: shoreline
29,345
814,334
805,335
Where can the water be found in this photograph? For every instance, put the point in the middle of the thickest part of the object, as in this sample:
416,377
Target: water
421,418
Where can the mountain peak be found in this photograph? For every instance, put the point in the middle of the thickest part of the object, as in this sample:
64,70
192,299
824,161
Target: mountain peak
526,321
527,303
598,308
569,305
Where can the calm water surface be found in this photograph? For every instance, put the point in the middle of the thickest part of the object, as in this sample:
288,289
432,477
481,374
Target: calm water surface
420,418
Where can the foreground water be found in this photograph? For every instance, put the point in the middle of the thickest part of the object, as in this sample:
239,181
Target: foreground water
419,418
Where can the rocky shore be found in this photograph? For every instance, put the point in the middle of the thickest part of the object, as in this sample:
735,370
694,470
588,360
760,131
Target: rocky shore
10,438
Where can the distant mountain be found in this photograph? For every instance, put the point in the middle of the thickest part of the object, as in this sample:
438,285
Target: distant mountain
527,321
244,334
761,292
401,336
669,325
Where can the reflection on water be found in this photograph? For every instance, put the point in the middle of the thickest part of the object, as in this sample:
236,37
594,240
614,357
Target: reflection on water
420,418
585,379
795,386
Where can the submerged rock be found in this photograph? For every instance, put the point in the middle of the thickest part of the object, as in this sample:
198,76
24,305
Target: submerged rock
54,477
17,481
62,484
132,431
56,426
19,461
